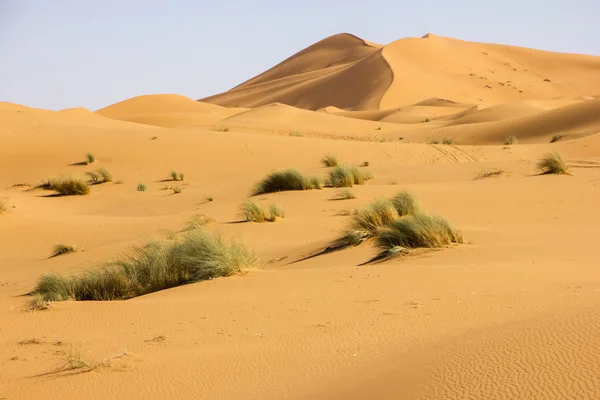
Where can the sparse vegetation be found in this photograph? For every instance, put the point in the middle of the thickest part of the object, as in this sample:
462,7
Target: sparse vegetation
105,174
405,203
289,179
3,208
176,176
330,161
61,249
66,186
345,194
447,141
415,231
510,140
346,176
365,164
176,189
193,257
490,174
198,221
94,176
553,164
141,187
89,158
555,138
252,212
210,198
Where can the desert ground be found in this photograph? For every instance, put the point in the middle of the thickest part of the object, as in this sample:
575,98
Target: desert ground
513,312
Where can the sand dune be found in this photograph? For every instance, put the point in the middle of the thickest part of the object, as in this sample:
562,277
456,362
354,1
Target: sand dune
512,313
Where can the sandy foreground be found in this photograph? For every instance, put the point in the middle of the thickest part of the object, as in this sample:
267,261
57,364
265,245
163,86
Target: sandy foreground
514,313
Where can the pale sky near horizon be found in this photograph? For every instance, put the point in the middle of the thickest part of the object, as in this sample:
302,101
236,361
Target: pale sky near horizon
70,53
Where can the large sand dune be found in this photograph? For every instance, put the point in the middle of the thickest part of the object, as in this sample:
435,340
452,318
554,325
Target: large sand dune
510,314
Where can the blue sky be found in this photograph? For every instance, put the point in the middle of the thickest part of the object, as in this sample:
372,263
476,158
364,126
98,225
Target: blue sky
68,53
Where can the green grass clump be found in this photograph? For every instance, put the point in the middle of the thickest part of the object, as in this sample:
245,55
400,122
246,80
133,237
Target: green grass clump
193,257
510,140
61,249
555,138
346,176
330,161
447,141
405,203
553,164
289,179
141,187
415,231
89,158
252,212
176,176
345,194
67,186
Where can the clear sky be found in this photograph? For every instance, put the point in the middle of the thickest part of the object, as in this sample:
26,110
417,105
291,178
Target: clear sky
68,53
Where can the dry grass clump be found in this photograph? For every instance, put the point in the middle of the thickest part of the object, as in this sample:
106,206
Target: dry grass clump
365,222
89,158
510,140
61,249
252,212
66,186
141,187
176,176
346,176
415,231
345,194
193,257
198,221
553,164
330,161
176,189
405,203
101,175
289,179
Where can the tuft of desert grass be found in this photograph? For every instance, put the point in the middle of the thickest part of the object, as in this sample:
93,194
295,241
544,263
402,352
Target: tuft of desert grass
345,194
192,257
289,179
197,221
405,203
510,140
415,231
555,138
94,176
176,189
330,161
490,174
176,176
89,158
552,164
37,303
365,164
434,141
61,249
275,211
141,187
447,141
346,176
252,212
210,198
67,186
3,208
105,175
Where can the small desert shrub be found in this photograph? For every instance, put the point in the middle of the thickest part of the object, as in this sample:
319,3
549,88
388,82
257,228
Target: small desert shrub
553,164
405,203
105,175
345,176
330,161
175,176
141,187
89,158
447,141
365,164
345,194
198,221
289,179
61,249
67,186
365,222
3,207
510,140
176,189
555,138
193,257
490,174
275,211
415,231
